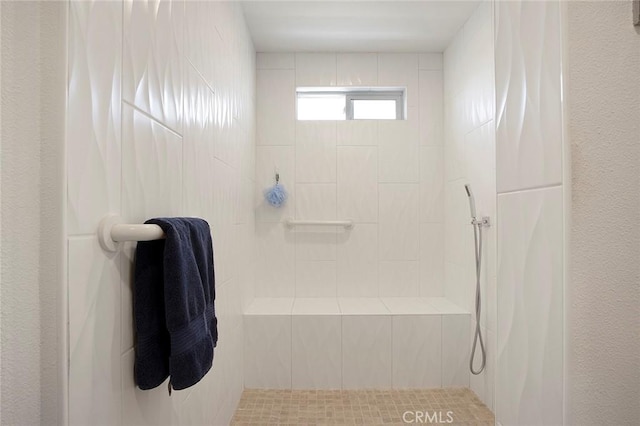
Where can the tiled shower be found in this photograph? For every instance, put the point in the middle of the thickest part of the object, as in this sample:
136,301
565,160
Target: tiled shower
158,124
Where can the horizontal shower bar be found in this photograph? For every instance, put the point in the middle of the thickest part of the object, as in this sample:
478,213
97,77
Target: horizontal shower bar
345,223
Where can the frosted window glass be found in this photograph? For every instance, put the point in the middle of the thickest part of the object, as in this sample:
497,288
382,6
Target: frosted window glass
321,107
374,109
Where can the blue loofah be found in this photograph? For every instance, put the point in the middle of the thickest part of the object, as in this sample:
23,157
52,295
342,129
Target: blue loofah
276,195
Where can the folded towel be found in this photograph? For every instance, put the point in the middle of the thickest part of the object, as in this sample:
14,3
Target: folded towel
176,326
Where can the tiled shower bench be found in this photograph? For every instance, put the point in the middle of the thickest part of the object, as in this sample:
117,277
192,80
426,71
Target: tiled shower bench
356,343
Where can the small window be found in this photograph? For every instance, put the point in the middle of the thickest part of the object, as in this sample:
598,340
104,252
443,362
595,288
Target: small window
331,103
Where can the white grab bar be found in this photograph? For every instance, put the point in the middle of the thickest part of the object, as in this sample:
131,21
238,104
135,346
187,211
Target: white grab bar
111,232
348,224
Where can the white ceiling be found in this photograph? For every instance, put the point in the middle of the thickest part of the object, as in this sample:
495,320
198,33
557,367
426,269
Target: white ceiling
355,26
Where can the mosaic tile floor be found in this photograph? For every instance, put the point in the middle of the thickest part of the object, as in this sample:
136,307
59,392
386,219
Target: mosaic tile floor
370,407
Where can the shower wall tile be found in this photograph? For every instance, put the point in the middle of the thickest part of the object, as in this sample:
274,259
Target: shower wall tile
480,145
384,175
398,221
431,185
315,243
94,329
275,264
398,148
400,69
357,262
275,61
357,132
399,278
269,161
275,107
431,260
152,59
140,157
93,113
484,384
148,407
149,188
315,151
197,37
529,333
528,91
431,108
316,279
417,351
366,352
469,157
455,351
479,85
357,69
315,201
316,352
268,340
430,61
199,105
358,183
315,69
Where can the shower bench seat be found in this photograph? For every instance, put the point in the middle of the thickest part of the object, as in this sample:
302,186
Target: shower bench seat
356,343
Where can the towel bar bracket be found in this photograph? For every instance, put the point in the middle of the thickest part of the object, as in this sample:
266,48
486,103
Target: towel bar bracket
104,233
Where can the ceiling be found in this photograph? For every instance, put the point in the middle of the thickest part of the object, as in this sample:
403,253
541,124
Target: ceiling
355,26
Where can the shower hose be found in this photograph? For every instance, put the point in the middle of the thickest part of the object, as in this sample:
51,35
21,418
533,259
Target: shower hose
477,236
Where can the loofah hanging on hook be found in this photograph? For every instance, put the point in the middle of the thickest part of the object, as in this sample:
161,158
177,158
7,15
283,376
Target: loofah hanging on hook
277,194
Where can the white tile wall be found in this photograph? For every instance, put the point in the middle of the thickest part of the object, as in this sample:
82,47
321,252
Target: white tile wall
275,107
417,351
179,141
93,124
469,157
358,183
399,278
529,125
94,333
400,69
398,144
530,298
455,351
358,343
386,176
275,264
529,157
315,69
357,262
357,69
316,354
315,151
152,59
268,340
398,221
366,352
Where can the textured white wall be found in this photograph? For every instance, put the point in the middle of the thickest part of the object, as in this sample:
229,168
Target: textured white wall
33,97
469,157
385,175
160,122
529,166
603,298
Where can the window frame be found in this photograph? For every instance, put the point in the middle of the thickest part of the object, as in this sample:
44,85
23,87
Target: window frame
397,94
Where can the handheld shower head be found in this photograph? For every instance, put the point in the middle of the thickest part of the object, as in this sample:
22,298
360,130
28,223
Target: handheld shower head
472,201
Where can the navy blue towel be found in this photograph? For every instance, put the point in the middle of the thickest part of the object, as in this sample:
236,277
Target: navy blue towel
176,326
